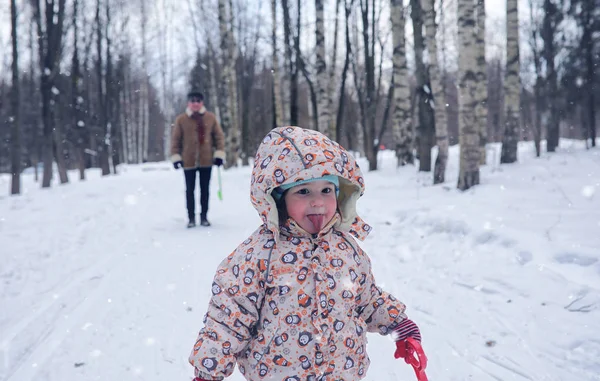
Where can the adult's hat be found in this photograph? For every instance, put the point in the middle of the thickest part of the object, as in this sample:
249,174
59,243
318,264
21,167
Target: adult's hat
195,95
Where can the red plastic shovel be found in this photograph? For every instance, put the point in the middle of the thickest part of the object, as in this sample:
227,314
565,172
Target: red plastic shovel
416,357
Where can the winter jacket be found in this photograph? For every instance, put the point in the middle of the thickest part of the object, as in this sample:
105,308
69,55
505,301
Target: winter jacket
185,144
287,305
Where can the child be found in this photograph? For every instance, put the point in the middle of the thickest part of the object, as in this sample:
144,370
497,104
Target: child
295,300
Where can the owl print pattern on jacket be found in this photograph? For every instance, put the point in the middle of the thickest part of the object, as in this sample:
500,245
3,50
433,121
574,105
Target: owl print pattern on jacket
287,305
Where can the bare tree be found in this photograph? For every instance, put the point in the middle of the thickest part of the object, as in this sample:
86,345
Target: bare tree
78,125
228,79
550,23
439,99
402,123
321,67
50,32
539,80
481,108
275,62
469,130
368,98
426,126
340,111
331,82
587,12
144,107
512,85
15,135
291,50
102,134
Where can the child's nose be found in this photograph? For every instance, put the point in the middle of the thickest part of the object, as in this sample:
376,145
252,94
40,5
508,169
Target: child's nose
317,200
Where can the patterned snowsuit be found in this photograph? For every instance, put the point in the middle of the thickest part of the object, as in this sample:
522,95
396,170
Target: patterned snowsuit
287,305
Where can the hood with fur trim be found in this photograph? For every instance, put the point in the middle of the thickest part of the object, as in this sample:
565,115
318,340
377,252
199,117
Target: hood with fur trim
290,154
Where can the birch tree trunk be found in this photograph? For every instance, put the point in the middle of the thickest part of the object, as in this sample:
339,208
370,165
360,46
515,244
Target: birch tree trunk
512,85
402,122
233,86
332,129
468,128
275,62
481,108
321,67
15,129
227,78
439,99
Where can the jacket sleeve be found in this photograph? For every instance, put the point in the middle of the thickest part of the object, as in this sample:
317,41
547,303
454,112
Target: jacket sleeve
176,142
218,140
233,311
381,311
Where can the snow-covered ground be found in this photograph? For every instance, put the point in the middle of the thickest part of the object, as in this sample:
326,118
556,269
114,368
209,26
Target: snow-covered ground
100,280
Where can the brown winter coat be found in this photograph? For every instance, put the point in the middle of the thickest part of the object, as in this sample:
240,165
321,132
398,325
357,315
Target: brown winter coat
184,140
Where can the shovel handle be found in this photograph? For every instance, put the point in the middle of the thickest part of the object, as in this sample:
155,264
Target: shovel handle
419,363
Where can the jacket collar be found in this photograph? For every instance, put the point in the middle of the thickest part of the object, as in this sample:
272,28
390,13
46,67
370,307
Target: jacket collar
189,112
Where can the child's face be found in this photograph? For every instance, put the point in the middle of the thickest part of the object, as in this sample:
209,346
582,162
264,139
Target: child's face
312,205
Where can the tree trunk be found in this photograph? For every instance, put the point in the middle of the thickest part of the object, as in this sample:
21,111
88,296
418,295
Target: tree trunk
426,117
332,129
35,155
227,74
102,115
290,108
481,108
512,85
233,138
50,32
76,118
537,88
342,100
402,122
15,136
369,101
144,93
588,44
59,153
549,26
439,99
278,107
469,132
321,69
111,97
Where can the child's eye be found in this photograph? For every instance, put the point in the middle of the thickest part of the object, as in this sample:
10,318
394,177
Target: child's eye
327,190
302,191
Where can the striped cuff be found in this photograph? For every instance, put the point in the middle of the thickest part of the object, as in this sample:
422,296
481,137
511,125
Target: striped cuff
407,328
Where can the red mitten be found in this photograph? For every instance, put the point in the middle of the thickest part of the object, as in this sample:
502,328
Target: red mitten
407,328
199,379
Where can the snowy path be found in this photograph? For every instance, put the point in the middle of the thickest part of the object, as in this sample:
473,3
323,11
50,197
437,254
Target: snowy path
101,281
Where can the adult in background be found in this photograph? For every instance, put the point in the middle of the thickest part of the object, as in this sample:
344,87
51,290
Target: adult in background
197,142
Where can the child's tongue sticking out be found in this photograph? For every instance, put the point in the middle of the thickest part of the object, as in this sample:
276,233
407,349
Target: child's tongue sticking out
317,221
